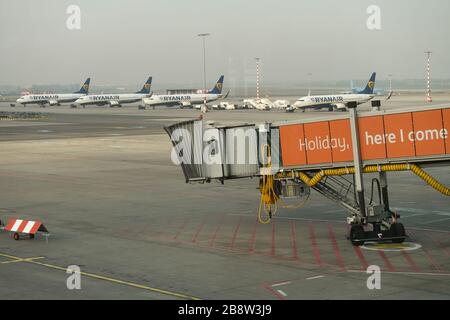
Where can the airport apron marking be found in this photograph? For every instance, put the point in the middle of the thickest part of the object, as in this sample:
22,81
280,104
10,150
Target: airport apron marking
22,260
405,246
99,277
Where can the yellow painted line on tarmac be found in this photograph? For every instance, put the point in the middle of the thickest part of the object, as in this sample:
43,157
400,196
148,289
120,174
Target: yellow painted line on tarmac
22,260
99,277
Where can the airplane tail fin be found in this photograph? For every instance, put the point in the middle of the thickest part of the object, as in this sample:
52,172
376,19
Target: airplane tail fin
218,86
85,87
370,85
146,88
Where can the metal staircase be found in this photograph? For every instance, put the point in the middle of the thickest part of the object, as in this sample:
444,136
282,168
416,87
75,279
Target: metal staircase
339,189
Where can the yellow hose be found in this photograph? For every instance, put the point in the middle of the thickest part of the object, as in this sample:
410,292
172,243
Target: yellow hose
376,168
269,197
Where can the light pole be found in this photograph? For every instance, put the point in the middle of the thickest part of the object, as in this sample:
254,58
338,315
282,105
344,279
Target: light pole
257,78
309,74
203,35
390,81
428,53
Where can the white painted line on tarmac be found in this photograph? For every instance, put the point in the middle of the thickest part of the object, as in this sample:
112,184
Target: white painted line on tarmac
406,273
282,293
437,220
281,284
412,215
316,277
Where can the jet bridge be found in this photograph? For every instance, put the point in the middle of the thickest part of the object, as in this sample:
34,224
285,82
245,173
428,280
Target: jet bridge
330,155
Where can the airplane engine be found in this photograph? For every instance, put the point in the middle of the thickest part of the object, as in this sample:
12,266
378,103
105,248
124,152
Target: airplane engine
53,102
185,104
114,104
340,107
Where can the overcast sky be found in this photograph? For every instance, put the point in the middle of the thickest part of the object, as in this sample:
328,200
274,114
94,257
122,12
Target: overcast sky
122,42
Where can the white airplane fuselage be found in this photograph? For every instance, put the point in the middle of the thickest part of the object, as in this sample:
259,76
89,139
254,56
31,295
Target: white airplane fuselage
51,99
183,100
111,99
331,102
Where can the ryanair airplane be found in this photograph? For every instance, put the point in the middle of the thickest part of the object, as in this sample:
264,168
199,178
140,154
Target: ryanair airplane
116,100
186,100
55,99
339,101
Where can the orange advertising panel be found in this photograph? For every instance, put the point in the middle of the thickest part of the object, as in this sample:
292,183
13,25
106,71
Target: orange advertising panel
401,135
317,142
397,127
290,137
446,121
372,138
428,133
341,140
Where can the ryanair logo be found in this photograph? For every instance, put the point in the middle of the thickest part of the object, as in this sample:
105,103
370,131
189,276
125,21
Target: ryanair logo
371,84
219,86
147,86
85,86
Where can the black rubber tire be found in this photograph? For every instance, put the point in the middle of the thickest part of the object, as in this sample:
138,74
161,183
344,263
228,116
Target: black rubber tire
398,230
31,236
16,236
357,232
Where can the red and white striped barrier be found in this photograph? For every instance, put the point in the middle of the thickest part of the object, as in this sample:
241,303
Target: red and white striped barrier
21,226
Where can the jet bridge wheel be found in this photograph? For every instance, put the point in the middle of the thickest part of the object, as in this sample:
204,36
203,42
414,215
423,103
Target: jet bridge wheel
398,230
357,235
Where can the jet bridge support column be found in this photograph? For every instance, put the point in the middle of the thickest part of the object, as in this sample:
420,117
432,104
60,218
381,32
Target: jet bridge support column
359,184
384,190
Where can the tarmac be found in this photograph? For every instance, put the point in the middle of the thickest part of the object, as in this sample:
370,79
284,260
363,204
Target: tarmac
102,182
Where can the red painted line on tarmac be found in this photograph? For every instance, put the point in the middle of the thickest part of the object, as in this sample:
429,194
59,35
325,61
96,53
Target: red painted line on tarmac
432,260
180,229
410,261
202,224
337,252
274,292
440,245
429,256
219,225
312,236
251,243
236,230
444,248
294,241
272,252
358,252
361,257
388,263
